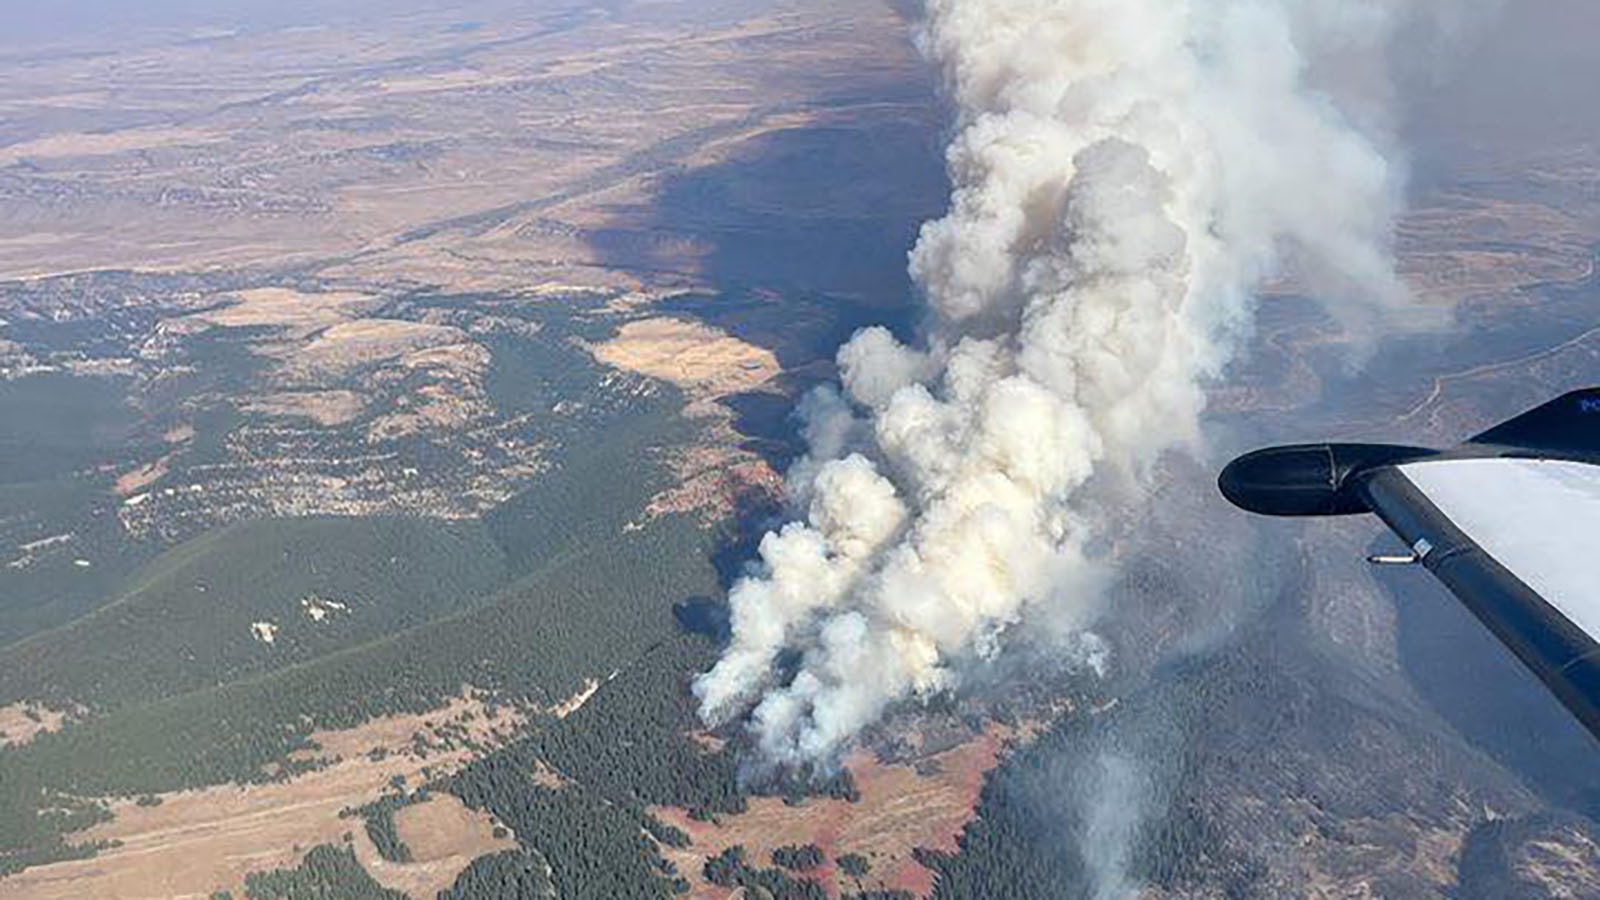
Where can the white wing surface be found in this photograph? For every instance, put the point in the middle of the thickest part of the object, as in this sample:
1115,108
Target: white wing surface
1539,518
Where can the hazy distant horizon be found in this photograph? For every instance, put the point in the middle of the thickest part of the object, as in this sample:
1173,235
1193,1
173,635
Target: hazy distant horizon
72,19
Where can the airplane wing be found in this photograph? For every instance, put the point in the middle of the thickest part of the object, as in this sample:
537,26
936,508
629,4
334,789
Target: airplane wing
1509,521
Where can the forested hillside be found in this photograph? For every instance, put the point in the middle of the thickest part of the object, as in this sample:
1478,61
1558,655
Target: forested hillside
217,660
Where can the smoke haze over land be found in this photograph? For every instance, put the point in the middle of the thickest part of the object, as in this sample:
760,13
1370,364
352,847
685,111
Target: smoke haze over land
1124,176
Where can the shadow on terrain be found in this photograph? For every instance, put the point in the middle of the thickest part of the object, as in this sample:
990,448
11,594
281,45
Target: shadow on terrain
801,233
1454,664
704,616
1476,685
823,209
731,559
1451,661
767,423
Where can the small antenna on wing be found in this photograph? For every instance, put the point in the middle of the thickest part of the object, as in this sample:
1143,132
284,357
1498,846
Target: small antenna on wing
1419,552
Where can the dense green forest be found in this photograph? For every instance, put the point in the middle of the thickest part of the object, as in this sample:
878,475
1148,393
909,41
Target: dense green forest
561,584
1023,843
512,875
536,640
733,868
1028,839
628,742
854,865
326,872
551,589
624,750
61,435
798,858
378,816
46,492
184,622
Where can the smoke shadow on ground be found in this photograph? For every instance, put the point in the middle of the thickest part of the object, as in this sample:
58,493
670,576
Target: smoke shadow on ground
1457,668
797,237
801,232
703,616
1474,683
1262,715
821,209
768,425
1318,747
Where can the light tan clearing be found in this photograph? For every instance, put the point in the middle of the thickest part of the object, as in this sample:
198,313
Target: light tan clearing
443,81
444,837
899,811
36,239
435,408
546,777
576,701
326,408
453,399
179,435
285,309
70,145
66,100
22,722
200,841
698,358
1373,846
716,477
348,347
138,479
55,540
1461,246
395,733
450,357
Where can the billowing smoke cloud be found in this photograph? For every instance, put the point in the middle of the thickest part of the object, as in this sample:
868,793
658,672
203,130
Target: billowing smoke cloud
1125,173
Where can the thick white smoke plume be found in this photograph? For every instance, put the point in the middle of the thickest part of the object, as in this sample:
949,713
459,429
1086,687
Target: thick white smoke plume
1125,173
